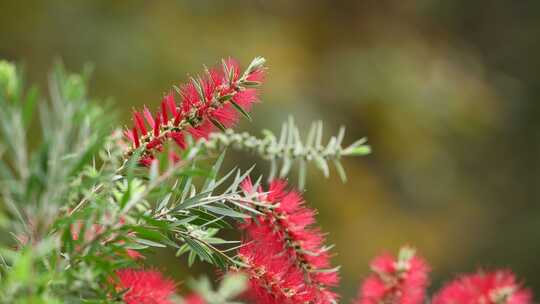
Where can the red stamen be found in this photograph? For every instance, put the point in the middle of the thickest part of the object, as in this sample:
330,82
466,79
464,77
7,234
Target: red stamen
139,122
177,118
148,116
164,111
135,137
157,126
171,103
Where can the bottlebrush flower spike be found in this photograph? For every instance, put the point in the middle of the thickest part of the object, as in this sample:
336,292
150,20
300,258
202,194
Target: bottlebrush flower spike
496,287
145,287
285,257
397,281
213,100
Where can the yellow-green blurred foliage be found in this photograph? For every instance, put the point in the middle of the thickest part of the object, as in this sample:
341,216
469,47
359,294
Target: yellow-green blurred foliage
446,91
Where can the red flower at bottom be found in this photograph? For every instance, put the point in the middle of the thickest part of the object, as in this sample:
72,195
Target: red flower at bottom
400,280
145,287
496,287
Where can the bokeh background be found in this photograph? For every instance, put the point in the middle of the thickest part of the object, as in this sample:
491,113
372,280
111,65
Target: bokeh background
446,91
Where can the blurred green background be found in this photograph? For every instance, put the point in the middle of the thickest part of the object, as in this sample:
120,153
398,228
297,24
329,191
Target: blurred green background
446,92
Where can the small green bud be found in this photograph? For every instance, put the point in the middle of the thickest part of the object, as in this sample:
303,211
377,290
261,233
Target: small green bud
358,151
406,253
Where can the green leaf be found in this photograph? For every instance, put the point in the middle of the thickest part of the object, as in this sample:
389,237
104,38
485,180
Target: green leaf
226,212
286,167
321,164
209,183
22,270
177,89
302,172
225,97
164,202
218,124
251,84
238,179
184,221
149,243
199,249
240,109
340,170
197,83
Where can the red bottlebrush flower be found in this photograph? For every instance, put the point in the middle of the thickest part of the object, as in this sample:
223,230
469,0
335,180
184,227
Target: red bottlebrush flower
496,287
287,262
194,299
398,281
145,287
213,99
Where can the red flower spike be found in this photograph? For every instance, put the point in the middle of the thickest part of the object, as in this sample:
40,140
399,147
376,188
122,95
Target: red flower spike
145,287
135,137
286,258
401,280
171,103
496,287
164,111
148,116
157,126
216,99
139,122
177,119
